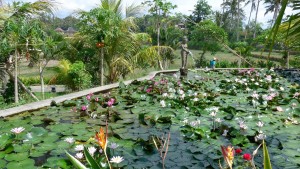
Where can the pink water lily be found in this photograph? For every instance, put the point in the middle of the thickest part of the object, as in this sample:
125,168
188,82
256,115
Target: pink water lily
149,90
17,130
83,108
110,102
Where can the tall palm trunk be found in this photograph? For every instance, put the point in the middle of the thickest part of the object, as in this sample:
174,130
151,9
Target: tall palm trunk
254,34
16,78
238,22
251,10
158,36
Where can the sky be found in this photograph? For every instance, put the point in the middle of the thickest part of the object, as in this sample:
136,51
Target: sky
67,7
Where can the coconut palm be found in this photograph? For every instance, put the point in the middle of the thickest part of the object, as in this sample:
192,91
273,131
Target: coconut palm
253,8
255,21
273,6
235,13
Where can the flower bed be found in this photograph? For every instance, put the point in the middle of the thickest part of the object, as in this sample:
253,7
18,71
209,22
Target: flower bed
207,110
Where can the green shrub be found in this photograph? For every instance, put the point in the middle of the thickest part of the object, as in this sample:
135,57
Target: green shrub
295,63
34,80
80,78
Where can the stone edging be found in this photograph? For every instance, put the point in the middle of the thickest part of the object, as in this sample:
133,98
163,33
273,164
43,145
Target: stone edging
59,99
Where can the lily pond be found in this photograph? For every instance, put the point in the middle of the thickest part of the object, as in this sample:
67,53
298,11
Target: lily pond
191,118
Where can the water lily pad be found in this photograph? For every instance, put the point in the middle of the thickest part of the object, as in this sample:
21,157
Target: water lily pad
25,164
5,139
22,148
2,163
16,156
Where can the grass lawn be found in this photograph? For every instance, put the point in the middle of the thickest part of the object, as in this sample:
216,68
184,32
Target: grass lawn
25,71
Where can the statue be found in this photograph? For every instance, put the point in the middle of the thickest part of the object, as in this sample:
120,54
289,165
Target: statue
184,52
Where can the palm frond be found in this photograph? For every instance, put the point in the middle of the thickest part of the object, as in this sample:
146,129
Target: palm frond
133,10
275,28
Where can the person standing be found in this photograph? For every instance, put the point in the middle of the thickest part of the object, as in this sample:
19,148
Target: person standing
213,63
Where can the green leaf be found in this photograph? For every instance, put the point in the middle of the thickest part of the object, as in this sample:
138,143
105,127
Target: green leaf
75,162
90,159
5,139
267,162
25,164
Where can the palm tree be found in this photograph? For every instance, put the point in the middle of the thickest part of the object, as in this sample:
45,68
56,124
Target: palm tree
253,6
235,13
273,6
255,21
160,9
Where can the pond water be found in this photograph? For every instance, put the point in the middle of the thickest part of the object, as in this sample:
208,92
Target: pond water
202,112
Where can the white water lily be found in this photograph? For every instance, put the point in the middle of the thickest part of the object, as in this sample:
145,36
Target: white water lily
70,140
79,148
269,78
163,103
225,133
182,96
92,150
271,90
278,108
195,123
181,92
260,124
242,125
114,145
79,155
17,130
218,120
143,96
171,90
195,99
260,136
281,88
185,121
215,109
116,159
213,114
255,95
165,95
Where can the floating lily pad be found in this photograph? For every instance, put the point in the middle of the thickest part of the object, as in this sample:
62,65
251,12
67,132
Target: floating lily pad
24,164
16,156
